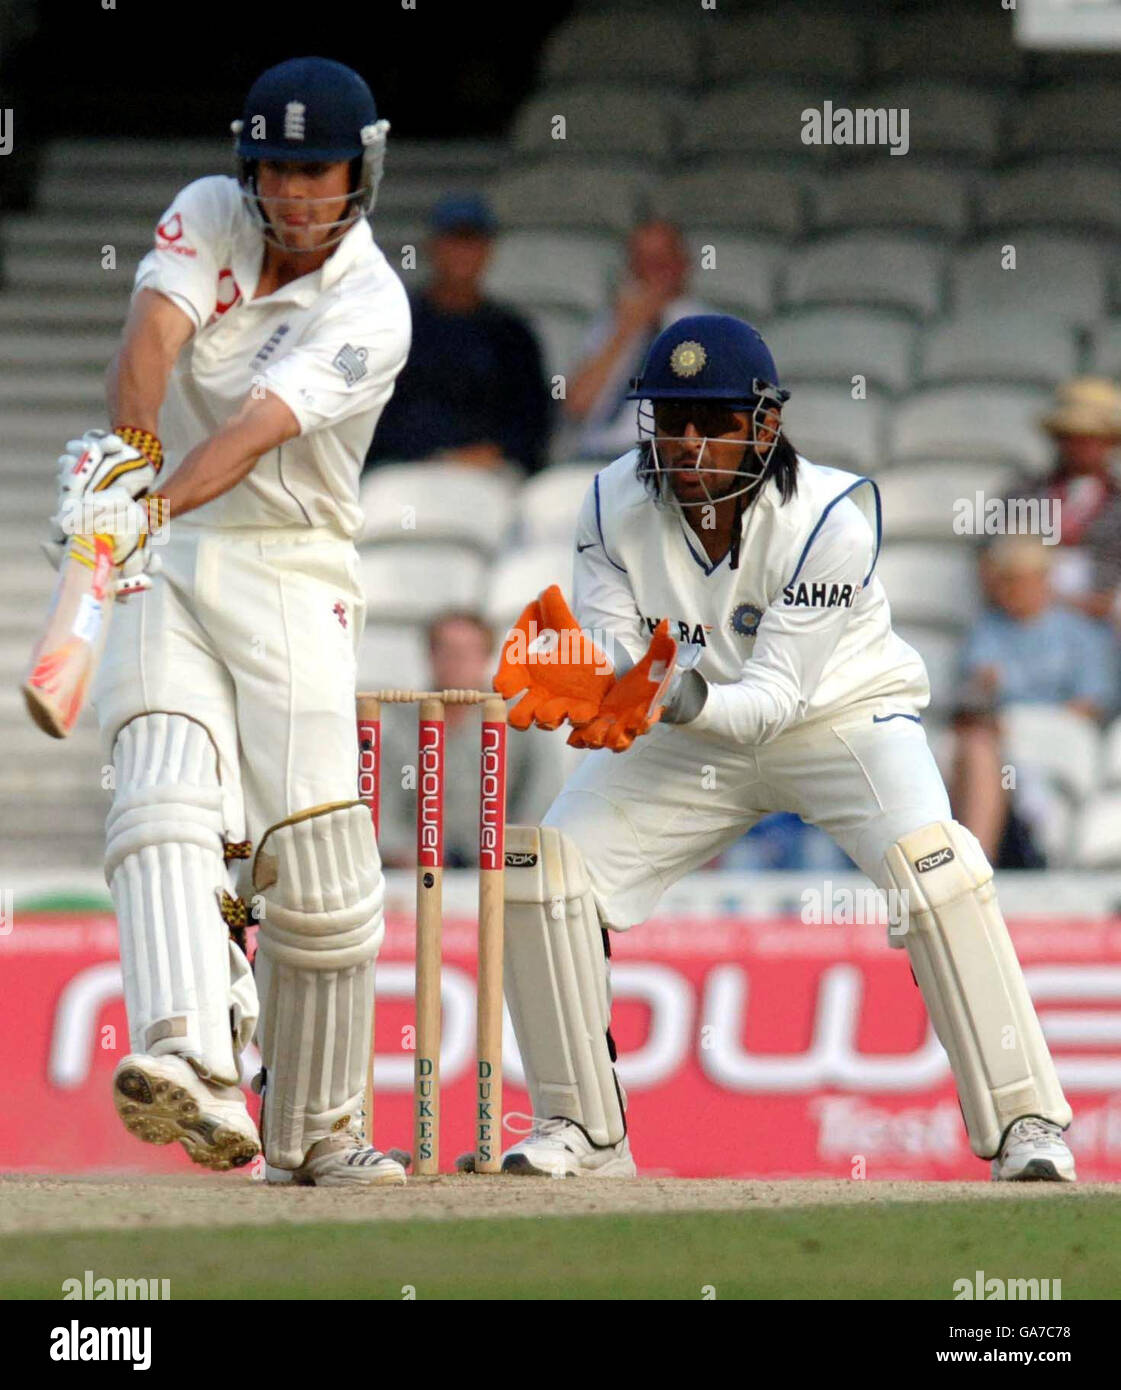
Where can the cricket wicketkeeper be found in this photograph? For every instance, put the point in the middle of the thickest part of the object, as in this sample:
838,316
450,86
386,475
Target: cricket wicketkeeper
751,640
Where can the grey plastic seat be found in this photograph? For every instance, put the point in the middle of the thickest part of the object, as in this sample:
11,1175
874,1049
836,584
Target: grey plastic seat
659,49
1058,276
554,269
758,118
409,503
561,334
561,192
521,575
550,502
947,120
1073,120
1021,346
993,424
827,426
833,345
1053,192
930,583
800,42
1104,355
869,268
598,121
725,194
922,501
961,42
411,583
738,273
897,194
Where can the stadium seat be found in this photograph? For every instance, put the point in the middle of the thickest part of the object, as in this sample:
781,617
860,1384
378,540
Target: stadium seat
833,345
1104,354
550,502
764,118
736,274
963,42
599,121
940,651
800,43
659,51
1020,346
935,585
1052,192
412,583
566,193
922,500
561,334
868,268
729,193
895,194
1056,741
827,426
1058,276
1096,842
410,502
394,657
946,121
1077,119
538,269
963,423
521,575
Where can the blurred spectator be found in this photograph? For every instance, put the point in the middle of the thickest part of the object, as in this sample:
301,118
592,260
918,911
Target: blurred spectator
21,48
473,388
462,648
1024,648
1085,423
653,294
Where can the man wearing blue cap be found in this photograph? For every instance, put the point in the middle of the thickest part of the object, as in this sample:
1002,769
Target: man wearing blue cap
753,668
264,337
474,388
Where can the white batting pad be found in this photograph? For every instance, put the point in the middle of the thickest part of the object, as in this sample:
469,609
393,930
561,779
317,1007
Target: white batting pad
188,989
971,981
320,929
557,984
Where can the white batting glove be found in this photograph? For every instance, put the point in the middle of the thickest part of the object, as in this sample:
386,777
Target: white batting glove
131,459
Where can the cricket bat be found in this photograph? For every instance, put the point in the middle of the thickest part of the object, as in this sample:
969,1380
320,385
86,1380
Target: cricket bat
66,656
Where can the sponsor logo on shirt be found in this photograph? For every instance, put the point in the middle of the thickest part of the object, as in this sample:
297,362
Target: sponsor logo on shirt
271,346
745,619
820,595
351,361
229,292
169,235
692,634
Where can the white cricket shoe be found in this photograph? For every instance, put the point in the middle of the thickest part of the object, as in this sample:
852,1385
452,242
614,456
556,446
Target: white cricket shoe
163,1099
559,1148
1033,1151
342,1160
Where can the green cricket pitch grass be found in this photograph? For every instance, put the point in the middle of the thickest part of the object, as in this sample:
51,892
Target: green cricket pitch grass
893,1250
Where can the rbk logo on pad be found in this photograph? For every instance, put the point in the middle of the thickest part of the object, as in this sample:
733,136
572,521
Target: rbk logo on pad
932,861
520,859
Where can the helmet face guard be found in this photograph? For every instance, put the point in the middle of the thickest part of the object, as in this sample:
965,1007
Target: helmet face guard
663,420
370,160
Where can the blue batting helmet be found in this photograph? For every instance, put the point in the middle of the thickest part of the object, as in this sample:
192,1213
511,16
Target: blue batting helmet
709,357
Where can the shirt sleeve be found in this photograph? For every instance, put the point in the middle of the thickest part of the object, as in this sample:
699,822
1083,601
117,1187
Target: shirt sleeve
343,365
796,637
190,237
1095,669
602,599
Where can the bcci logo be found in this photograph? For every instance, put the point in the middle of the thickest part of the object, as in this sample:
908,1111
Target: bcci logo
745,619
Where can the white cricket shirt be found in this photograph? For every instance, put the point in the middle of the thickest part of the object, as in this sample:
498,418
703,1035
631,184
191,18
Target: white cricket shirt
329,344
800,630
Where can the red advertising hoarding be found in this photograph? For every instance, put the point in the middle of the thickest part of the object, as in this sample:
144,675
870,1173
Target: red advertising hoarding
747,1048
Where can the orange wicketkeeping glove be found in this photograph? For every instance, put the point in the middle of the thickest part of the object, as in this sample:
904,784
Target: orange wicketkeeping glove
564,674
633,705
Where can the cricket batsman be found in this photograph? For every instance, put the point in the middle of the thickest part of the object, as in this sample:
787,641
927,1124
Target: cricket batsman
754,670
265,333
